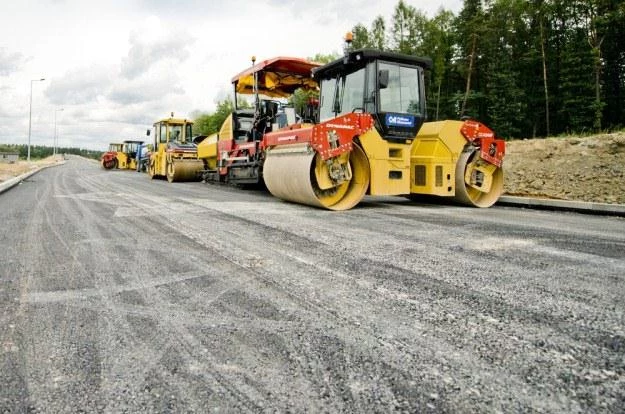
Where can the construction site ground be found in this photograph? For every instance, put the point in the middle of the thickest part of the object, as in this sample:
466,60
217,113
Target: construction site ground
10,170
123,294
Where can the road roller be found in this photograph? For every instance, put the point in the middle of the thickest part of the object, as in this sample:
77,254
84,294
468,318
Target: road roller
175,153
109,158
121,155
370,137
236,153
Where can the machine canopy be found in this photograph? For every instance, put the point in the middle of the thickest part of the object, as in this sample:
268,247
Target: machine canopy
278,77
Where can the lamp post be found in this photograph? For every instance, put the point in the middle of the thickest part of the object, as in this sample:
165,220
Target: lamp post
30,113
56,135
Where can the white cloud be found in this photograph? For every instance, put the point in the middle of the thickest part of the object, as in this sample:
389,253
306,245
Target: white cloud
80,86
10,62
155,85
117,66
153,43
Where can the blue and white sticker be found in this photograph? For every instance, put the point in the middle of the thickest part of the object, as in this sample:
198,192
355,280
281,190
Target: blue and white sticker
406,121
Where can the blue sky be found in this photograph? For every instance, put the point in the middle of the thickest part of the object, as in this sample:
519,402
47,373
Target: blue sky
116,66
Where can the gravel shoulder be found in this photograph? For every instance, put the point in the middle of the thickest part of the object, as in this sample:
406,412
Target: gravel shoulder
11,170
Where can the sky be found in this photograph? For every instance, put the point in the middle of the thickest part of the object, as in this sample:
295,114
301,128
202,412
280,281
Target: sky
114,67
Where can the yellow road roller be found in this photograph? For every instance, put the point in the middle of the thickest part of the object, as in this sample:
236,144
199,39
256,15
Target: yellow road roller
122,156
175,154
371,138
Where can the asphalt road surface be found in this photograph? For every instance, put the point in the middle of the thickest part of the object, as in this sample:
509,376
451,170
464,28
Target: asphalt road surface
123,294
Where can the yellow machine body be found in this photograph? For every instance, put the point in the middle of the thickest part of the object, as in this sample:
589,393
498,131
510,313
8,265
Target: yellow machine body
433,158
121,156
389,164
174,155
444,163
207,150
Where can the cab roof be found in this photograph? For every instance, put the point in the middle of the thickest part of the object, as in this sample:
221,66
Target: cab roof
176,121
277,77
359,57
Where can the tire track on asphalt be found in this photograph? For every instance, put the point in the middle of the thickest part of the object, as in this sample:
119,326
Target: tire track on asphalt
234,250
187,341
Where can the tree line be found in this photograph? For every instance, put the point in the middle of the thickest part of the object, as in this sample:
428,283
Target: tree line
525,67
39,151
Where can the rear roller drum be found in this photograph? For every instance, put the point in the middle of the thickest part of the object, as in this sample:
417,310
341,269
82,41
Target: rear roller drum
478,183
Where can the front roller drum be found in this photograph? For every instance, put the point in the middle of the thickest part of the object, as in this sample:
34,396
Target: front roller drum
291,173
478,183
183,170
109,164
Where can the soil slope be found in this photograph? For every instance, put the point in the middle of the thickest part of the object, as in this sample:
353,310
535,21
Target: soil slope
572,168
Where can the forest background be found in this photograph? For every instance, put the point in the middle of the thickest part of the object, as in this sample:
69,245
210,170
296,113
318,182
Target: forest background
526,68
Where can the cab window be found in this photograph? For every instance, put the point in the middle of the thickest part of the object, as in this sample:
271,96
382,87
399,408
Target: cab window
402,94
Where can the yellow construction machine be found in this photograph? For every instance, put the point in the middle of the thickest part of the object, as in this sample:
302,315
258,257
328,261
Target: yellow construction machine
122,156
175,153
236,153
371,138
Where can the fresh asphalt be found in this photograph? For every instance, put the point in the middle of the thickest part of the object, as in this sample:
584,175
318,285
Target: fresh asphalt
123,294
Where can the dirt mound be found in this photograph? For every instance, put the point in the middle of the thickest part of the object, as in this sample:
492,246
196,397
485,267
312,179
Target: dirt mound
571,168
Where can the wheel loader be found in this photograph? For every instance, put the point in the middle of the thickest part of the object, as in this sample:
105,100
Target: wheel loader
236,153
175,154
122,156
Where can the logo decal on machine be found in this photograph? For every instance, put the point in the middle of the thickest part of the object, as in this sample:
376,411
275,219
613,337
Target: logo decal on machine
406,121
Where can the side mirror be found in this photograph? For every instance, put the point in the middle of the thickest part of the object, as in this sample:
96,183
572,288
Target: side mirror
383,79
147,132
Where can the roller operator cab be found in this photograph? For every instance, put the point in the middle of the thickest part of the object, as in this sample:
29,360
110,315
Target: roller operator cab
371,138
388,86
175,153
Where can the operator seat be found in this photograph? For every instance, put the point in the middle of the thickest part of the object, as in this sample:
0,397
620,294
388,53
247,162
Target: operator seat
243,120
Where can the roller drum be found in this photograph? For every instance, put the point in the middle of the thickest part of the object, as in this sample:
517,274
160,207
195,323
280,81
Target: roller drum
466,194
289,174
183,170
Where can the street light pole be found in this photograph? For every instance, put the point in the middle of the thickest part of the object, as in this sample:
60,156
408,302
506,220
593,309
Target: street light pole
30,113
56,135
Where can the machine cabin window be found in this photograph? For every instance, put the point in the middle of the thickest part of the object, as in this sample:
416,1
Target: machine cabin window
175,133
163,134
342,95
188,132
402,94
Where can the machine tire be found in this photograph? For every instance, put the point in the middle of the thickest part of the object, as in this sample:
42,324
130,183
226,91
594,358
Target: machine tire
170,172
470,196
152,169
